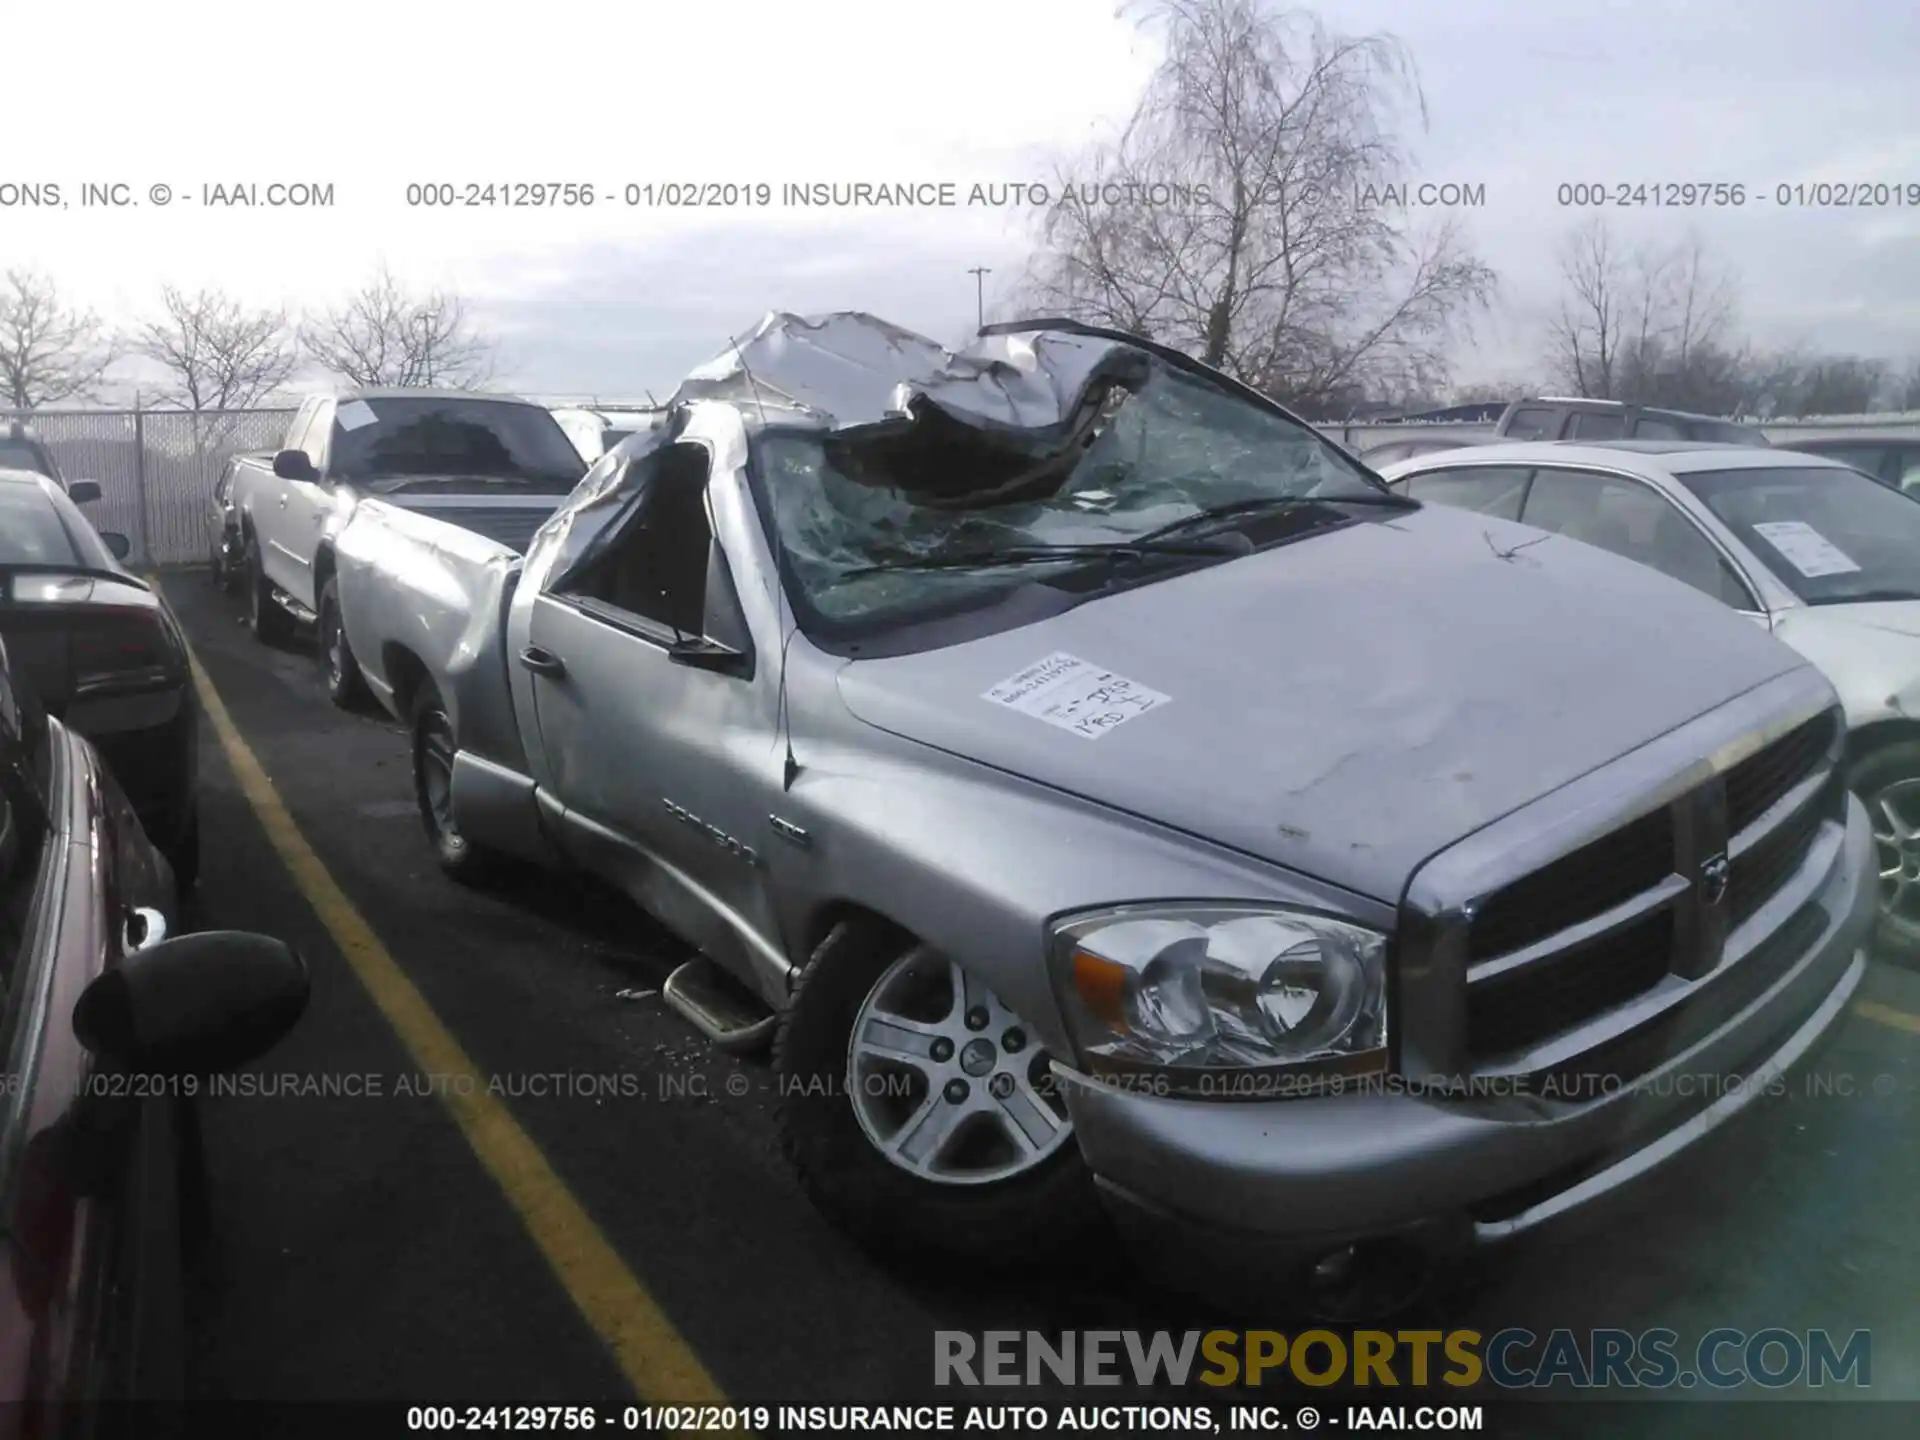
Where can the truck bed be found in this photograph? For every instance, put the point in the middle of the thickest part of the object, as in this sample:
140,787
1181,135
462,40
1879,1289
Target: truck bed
424,591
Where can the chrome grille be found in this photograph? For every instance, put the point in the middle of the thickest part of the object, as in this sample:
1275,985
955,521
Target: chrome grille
1764,777
1760,871
1524,1006
1652,904
1589,882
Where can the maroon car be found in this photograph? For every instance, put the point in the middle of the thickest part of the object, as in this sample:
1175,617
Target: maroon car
111,1026
103,652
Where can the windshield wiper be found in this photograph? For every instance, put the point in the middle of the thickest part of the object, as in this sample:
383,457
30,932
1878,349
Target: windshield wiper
1052,554
1260,504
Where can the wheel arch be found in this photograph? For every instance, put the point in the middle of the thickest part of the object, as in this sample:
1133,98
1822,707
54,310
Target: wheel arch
404,671
820,923
1872,738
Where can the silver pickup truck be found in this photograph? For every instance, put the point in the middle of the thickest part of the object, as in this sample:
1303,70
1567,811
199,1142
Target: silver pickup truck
1100,785
454,461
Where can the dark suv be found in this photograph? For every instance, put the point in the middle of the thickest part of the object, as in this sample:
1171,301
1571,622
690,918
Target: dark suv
1554,417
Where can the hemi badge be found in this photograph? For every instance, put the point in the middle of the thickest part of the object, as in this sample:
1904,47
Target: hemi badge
790,831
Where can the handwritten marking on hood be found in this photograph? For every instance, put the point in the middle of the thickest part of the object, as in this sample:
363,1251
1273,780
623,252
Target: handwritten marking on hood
1076,696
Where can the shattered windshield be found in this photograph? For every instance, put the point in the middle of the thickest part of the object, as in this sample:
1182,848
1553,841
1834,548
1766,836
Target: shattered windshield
882,525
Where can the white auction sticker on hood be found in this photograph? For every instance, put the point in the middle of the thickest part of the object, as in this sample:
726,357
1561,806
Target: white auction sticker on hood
1079,697
1806,549
355,414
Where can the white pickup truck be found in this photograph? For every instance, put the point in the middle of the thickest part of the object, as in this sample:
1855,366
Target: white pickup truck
451,461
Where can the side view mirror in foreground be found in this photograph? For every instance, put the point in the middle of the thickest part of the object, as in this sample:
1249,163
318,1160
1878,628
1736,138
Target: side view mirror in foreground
197,1004
294,465
83,492
117,543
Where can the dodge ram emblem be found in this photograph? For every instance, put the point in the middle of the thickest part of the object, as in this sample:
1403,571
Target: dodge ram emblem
1714,875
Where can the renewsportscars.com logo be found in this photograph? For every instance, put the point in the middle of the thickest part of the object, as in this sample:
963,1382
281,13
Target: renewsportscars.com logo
1510,1359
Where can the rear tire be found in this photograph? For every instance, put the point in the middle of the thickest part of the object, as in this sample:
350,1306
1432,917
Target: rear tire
959,1203
271,625
1887,780
434,746
346,687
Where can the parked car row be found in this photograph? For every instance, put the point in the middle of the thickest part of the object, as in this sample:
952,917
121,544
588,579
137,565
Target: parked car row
112,1016
1105,794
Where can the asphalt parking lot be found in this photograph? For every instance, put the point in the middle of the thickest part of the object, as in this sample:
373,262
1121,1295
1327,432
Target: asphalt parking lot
542,1247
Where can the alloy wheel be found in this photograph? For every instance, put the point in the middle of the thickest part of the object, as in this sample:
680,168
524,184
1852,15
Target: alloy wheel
1895,812
947,1082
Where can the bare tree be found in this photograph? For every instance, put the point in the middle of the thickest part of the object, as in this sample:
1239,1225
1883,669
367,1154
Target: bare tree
1586,333
1239,216
220,357
49,351
218,354
1906,388
386,335
1492,392
1650,325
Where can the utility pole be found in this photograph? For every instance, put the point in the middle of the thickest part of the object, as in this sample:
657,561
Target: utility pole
980,273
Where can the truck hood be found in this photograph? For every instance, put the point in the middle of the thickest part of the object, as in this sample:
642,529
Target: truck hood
428,494
1348,704
506,518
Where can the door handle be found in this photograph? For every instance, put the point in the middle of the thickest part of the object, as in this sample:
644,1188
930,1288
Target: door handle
543,662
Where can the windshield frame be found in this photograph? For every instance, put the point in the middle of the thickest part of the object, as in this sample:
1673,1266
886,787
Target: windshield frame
967,616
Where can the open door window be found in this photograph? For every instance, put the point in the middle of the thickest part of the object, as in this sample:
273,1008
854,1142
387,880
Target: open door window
664,577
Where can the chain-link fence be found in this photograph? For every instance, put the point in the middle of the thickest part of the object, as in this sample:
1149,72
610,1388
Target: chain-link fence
156,468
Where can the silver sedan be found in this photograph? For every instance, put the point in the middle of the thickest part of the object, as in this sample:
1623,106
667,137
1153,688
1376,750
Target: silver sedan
1808,547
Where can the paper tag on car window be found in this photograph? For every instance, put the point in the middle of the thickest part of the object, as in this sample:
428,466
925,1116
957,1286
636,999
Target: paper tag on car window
1806,549
1079,697
355,414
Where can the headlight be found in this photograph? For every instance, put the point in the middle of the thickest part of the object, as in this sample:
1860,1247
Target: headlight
1208,988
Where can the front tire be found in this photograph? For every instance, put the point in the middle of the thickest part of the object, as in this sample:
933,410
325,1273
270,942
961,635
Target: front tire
271,625
346,687
919,1113
1887,780
434,749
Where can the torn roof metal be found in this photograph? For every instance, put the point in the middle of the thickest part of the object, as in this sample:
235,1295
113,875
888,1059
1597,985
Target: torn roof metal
851,369
978,425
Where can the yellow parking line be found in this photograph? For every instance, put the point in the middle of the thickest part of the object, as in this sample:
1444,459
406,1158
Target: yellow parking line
656,1359
1887,1015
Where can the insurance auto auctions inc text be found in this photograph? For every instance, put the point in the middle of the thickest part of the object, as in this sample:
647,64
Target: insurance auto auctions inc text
1511,1359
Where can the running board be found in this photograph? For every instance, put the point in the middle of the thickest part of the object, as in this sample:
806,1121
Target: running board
293,607
718,1006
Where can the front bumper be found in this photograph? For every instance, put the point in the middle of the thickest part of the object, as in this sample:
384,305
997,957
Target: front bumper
1218,1192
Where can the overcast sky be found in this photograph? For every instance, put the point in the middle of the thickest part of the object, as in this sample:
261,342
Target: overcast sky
618,300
